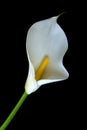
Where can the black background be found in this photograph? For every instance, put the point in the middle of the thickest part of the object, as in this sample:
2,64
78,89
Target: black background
53,105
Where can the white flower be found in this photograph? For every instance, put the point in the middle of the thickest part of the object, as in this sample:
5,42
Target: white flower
46,38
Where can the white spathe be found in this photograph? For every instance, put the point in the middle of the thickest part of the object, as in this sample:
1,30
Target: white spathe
46,38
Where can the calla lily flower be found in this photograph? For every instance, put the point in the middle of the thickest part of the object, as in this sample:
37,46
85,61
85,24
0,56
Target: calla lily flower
45,39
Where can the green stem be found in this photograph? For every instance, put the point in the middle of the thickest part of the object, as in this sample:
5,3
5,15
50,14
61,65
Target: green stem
14,111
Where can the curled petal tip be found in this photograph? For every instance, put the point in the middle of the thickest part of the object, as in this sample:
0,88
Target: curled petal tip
57,17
